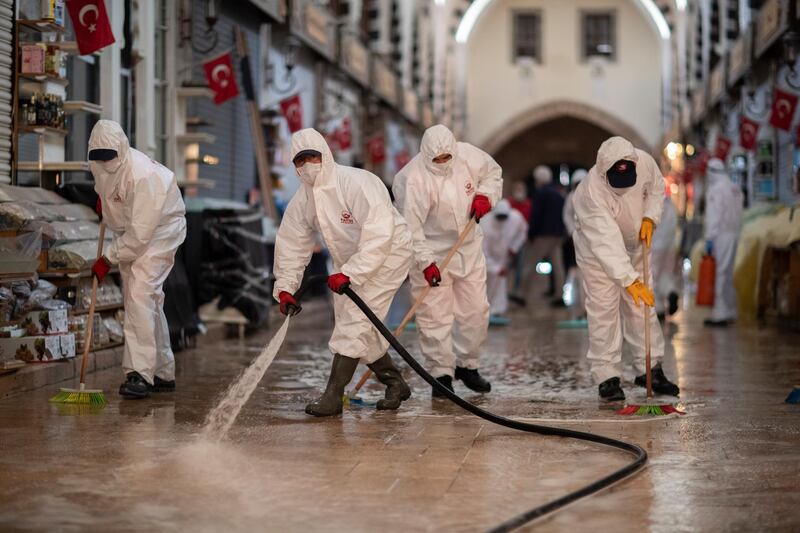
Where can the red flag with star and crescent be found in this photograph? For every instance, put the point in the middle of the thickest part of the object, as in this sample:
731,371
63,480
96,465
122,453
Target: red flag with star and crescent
221,79
722,148
292,110
92,27
784,104
748,132
376,148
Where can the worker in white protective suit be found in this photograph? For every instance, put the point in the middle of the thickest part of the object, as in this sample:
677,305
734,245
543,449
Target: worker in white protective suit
442,187
504,233
616,209
139,201
573,286
664,256
370,246
723,222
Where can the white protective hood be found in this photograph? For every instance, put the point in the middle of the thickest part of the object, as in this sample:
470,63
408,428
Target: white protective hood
438,140
311,139
107,134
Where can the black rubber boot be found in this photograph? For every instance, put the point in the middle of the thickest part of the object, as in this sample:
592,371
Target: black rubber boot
661,384
162,385
472,379
330,403
135,387
397,390
708,322
611,391
447,381
672,303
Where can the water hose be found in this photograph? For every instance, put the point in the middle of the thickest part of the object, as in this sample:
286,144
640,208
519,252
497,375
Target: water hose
537,512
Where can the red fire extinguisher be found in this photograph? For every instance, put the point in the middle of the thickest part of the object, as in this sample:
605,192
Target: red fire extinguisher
705,281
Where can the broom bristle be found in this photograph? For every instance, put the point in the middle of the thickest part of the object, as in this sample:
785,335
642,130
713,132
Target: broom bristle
97,399
653,410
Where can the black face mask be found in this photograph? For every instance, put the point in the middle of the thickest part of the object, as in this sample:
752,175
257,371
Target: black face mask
501,217
102,154
622,174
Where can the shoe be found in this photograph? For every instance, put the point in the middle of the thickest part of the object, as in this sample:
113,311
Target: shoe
472,379
557,303
672,303
162,385
135,386
708,322
661,384
397,390
611,391
661,316
519,300
330,403
447,381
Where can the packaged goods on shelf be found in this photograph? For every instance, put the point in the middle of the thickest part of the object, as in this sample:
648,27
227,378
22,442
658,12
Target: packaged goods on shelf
33,58
79,255
46,322
73,212
38,349
58,231
10,193
15,215
108,293
20,254
114,329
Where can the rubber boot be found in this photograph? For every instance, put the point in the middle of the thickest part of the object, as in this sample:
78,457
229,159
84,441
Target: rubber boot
397,390
473,379
330,403
611,391
135,387
661,385
162,385
447,381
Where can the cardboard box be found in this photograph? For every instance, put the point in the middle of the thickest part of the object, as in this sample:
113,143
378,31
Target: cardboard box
46,322
38,349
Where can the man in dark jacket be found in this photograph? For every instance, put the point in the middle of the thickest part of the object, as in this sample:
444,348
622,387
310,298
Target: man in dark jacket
545,234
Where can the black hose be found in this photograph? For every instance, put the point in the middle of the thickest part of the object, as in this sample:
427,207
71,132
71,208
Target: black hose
537,512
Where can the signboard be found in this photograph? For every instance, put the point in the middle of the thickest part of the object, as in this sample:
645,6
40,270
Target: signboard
410,105
315,26
770,24
355,58
739,58
274,8
384,81
716,84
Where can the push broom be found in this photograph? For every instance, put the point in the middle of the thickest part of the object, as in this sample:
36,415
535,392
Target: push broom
648,408
351,396
82,395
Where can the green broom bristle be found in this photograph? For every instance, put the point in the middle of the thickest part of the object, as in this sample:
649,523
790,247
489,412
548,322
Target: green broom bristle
97,399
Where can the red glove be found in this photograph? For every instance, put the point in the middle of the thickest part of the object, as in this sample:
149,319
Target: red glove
338,282
480,206
100,268
98,207
289,305
503,272
432,275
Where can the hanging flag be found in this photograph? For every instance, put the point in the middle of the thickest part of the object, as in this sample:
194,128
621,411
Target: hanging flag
748,131
784,104
376,149
220,77
722,148
292,109
402,158
90,21
344,134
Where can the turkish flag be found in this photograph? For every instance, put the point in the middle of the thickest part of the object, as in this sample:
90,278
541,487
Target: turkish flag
722,148
344,134
92,28
748,131
784,104
401,159
221,78
292,109
376,150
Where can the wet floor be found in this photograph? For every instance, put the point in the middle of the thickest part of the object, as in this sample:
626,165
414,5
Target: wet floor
731,464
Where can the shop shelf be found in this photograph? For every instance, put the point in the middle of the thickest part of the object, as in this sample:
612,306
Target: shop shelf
98,309
43,78
54,166
41,130
81,106
42,26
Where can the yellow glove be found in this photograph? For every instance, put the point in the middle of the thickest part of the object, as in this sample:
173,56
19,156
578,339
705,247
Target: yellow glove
646,231
641,293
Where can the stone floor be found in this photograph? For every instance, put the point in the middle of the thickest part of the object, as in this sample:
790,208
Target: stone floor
731,464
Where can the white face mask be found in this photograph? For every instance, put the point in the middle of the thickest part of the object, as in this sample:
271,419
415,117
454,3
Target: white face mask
309,172
441,169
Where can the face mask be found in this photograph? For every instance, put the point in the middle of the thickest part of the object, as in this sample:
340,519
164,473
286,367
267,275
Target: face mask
308,173
501,218
441,169
622,176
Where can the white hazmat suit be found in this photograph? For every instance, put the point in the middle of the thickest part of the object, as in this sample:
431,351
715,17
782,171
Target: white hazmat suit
573,286
609,254
143,206
501,238
665,255
436,200
367,238
723,222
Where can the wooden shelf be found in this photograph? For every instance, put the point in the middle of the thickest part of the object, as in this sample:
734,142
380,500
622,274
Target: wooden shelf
99,309
195,137
54,166
43,78
42,26
194,92
41,130
81,106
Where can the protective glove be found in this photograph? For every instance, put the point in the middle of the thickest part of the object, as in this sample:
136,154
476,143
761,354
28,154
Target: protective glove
432,275
338,282
646,231
480,206
710,247
641,293
288,304
98,208
100,268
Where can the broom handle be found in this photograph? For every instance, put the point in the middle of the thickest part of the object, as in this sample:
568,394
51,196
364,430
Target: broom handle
87,344
461,238
648,373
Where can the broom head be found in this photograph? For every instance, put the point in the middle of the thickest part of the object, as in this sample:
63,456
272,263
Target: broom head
649,409
80,396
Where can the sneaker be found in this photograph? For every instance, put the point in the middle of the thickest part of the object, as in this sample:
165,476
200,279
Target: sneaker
162,385
447,381
661,384
473,379
135,387
611,391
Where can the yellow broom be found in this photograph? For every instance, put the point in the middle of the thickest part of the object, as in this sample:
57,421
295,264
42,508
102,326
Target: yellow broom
82,395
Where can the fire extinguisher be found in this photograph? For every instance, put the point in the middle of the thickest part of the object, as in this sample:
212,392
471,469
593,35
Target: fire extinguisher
705,281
